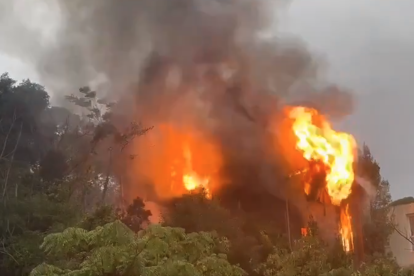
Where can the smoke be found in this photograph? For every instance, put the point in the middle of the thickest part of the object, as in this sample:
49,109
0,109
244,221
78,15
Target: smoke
207,72
369,195
368,187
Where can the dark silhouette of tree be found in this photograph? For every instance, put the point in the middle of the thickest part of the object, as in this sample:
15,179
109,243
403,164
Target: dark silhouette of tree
136,216
53,166
379,226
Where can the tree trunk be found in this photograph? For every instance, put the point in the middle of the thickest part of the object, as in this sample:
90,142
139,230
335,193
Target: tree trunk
357,223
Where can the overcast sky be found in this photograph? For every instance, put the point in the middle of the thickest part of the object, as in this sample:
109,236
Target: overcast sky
369,45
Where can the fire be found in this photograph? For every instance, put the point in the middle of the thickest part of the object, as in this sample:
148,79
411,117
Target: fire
191,180
175,159
330,152
304,231
319,142
346,229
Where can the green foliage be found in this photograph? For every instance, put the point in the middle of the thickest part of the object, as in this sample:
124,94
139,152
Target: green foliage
20,108
135,216
379,267
194,213
337,257
308,258
114,249
47,170
99,217
24,222
22,253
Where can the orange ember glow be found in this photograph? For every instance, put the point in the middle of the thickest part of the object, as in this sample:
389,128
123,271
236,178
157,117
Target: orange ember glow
334,151
304,231
175,160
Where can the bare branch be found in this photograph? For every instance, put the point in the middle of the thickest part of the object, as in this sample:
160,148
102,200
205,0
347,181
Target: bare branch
65,131
8,134
398,231
108,176
4,249
6,252
11,163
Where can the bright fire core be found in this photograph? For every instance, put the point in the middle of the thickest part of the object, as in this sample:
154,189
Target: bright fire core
192,181
317,141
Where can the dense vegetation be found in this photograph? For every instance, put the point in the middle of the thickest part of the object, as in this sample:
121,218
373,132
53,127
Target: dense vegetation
58,217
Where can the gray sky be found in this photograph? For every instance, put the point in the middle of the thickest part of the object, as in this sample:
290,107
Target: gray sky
369,47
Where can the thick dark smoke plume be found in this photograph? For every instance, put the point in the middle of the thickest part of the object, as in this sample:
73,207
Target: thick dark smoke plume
112,39
208,65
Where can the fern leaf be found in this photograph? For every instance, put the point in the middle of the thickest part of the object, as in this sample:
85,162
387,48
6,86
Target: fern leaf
46,270
115,233
70,241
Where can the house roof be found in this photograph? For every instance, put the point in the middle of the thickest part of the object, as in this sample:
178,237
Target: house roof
402,201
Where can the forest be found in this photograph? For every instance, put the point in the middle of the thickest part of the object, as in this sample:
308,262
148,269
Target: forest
62,211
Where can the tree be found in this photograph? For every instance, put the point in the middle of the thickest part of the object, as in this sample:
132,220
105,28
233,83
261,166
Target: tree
105,132
99,217
21,142
30,208
309,257
50,162
114,249
250,244
379,227
135,216
23,224
194,212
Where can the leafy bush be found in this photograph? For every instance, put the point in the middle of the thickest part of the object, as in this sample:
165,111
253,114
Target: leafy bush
308,258
114,249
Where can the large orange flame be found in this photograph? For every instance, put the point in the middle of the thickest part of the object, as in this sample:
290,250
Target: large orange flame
175,159
346,229
336,150
318,141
